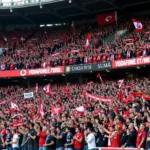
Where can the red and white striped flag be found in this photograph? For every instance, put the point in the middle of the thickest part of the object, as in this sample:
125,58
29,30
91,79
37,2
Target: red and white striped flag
80,110
138,25
120,82
36,87
47,89
41,108
14,106
87,44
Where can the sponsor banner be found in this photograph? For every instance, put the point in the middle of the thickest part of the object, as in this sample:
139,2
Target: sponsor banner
28,95
131,62
88,67
32,72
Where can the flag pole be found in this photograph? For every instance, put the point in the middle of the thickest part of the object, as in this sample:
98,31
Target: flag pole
116,19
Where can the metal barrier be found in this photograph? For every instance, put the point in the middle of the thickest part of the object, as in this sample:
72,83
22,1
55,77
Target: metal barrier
113,148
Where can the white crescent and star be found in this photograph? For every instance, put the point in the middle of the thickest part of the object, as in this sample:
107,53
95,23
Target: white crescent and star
108,18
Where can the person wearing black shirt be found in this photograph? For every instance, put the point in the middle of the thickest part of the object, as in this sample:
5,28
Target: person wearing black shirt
124,136
32,138
131,140
8,139
148,139
49,143
101,139
69,140
59,140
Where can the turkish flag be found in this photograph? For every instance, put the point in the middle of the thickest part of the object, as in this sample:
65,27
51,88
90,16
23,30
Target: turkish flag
104,19
138,25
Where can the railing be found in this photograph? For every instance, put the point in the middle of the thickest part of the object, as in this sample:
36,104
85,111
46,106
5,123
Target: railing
24,3
112,148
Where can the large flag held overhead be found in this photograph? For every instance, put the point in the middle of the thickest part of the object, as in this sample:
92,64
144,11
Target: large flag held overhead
87,44
47,89
14,106
41,109
138,25
104,19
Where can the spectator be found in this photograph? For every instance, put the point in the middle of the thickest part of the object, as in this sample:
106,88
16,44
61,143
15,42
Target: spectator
78,139
8,139
15,140
69,139
131,140
49,143
90,139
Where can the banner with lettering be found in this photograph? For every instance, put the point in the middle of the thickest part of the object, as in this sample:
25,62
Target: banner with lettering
88,67
28,95
131,62
102,99
32,72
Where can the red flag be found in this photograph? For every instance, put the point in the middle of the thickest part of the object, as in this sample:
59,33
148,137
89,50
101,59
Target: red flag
128,99
99,76
14,106
41,109
47,89
137,94
87,44
104,19
147,97
56,110
138,25
36,87
120,94
16,124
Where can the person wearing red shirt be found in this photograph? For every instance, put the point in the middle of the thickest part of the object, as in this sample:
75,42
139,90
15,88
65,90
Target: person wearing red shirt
11,67
104,58
114,136
141,136
64,62
94,59
70,61
42,138
89,59
78,138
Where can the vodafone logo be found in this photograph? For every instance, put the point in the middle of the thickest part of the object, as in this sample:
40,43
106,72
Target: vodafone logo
108,18
23,73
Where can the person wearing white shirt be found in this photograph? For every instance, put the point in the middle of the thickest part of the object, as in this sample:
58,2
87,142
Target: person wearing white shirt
90,139
15,140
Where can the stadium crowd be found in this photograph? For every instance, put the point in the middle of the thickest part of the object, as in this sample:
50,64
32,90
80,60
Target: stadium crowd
64,46
122,122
